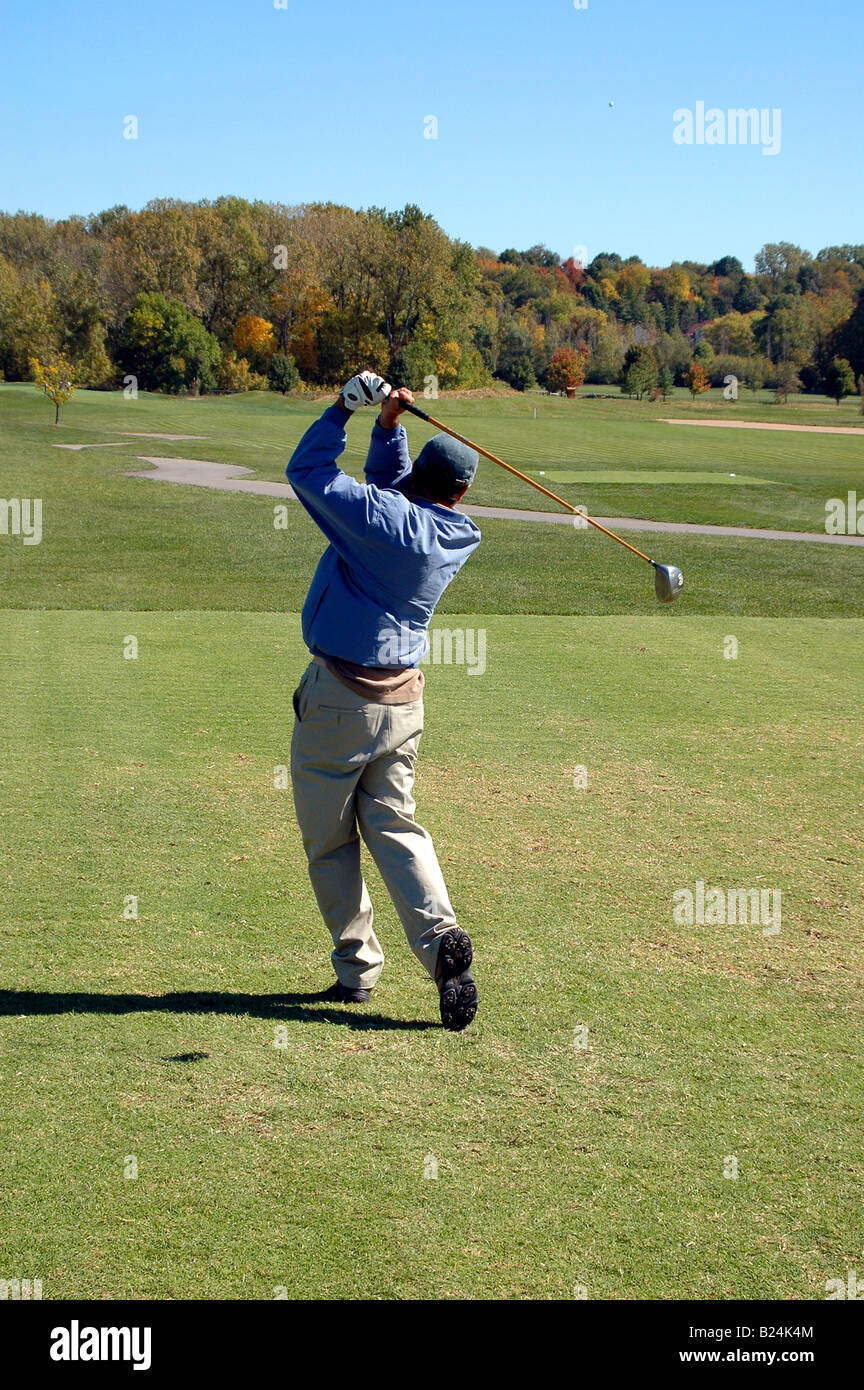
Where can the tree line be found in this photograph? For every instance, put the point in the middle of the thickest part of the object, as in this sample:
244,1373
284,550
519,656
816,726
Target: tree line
232,295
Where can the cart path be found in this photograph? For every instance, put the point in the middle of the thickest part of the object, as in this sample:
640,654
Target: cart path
757,425
225,478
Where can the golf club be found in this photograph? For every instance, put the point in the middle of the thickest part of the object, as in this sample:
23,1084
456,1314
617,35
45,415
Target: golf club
668,579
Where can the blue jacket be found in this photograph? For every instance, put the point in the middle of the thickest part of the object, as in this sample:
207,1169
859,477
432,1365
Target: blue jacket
391,554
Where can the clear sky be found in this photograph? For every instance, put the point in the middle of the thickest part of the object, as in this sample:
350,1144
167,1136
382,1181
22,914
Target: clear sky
329,100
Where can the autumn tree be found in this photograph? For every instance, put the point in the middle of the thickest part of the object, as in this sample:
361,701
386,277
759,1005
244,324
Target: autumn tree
234,374
418,273
731,333
343,288
163,251
696,379
55,380
567,368
253,338
235,271
29,326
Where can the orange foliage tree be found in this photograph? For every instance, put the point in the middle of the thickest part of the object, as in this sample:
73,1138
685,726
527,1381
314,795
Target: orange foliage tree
696,379
567,368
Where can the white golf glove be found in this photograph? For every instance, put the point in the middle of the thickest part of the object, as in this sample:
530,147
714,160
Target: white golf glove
365,389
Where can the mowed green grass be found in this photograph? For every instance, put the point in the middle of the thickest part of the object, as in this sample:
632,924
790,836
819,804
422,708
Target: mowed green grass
302,1166
644,477
612,434
113,541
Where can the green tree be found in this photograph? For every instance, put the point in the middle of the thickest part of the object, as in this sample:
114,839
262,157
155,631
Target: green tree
839,379
167,349
517,357
757,373
786,382
848,341
283,374
779,263
664,383
639,375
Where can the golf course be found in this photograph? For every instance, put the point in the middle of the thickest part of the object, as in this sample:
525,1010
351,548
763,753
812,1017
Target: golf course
644,1108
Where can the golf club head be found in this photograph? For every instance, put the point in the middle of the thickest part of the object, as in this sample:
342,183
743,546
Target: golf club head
668,582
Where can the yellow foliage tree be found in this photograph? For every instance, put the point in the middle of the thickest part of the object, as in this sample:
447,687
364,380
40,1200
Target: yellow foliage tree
447,362
679,282
235,374
55,380
254,339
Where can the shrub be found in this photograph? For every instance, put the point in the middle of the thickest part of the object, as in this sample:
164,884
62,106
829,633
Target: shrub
283,374
235,374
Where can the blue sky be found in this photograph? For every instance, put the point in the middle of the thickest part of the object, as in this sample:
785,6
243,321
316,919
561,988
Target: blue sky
328,101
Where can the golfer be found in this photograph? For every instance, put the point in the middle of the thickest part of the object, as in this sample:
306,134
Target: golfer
395,543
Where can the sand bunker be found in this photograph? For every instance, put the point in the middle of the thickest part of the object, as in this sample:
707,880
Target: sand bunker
757,425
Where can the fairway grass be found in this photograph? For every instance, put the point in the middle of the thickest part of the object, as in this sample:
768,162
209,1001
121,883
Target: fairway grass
667,477
114,541
300,1166
612,435
285,1145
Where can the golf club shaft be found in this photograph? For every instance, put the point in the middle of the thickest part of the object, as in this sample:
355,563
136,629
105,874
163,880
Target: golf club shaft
493,458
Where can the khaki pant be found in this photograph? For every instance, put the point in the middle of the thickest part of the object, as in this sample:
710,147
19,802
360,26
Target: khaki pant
352,769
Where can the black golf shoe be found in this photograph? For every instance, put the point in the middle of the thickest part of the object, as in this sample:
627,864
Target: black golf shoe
456,984
342,994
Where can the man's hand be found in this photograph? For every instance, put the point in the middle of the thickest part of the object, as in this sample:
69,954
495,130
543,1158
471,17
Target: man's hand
364,389
393,407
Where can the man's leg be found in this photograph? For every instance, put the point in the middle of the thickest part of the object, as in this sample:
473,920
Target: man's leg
402,849
324,780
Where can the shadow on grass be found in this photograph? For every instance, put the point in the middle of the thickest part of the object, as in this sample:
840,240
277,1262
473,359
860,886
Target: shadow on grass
286,1008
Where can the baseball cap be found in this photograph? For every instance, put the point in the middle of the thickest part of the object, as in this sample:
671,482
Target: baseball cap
445,465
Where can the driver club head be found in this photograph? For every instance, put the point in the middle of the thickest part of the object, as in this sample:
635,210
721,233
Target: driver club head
668,582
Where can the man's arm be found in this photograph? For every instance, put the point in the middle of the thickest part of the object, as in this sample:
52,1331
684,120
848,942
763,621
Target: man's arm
388,463
352,515
338,503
